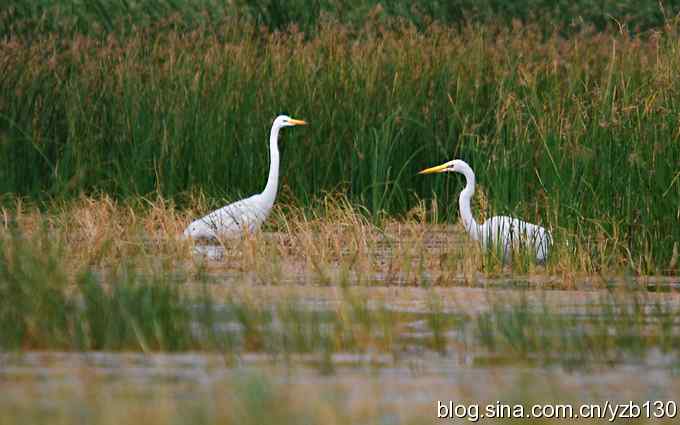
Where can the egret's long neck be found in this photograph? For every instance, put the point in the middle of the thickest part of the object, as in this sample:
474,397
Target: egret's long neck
272,182
464,204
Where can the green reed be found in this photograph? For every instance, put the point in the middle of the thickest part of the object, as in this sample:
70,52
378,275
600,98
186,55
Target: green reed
120,16
576,133
619,326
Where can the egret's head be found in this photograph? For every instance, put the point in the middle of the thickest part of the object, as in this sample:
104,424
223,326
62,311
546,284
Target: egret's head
455,166
286,121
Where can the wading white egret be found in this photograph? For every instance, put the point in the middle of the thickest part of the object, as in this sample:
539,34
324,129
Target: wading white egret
246,215
501,232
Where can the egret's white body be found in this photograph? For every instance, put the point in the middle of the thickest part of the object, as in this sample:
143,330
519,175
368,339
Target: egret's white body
246,215
501,232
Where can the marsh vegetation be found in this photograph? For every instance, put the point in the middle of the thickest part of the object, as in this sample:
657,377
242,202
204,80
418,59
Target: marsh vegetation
362,299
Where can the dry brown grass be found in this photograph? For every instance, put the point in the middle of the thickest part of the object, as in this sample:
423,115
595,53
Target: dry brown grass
334,245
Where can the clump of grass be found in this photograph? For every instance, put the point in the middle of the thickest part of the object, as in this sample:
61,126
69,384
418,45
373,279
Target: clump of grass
100,231
45,306
620,326
32,287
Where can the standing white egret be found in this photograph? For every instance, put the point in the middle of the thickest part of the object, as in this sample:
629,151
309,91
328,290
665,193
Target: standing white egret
246,215
506,233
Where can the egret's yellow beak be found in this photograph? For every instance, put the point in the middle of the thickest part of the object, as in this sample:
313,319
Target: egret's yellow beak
297,122
437,169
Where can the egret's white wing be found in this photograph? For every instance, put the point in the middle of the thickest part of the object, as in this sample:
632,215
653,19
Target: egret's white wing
233,220
510,234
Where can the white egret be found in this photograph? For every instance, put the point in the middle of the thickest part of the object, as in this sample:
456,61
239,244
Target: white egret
247,214
502,232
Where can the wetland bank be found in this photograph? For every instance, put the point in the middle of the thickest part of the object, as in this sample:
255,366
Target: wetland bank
362,299
107,319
